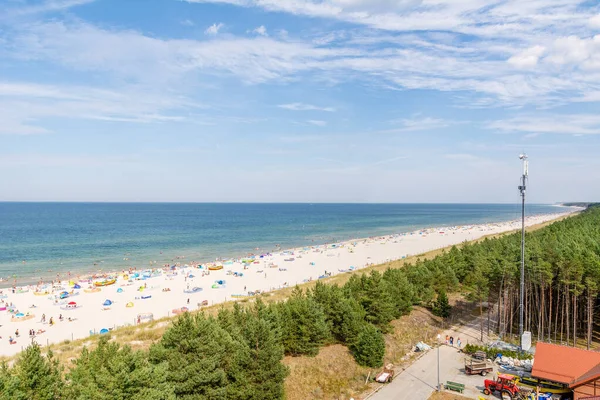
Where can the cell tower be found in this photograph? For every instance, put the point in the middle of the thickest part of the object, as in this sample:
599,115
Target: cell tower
522,188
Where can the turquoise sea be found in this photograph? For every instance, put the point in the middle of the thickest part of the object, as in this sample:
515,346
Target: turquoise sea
42,239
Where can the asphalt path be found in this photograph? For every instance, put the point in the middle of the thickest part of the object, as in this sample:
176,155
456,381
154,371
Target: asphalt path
419,380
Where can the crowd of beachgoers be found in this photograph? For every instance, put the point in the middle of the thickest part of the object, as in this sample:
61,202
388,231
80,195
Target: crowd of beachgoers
73,307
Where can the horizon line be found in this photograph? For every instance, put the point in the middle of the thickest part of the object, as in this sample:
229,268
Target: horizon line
262,202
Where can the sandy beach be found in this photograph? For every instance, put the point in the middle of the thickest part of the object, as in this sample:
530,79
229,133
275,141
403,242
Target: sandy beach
87,308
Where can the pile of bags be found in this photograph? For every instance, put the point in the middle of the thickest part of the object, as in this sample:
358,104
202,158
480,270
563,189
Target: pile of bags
422,347
527,365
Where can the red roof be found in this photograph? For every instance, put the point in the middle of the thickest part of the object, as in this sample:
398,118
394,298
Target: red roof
589,376
563,364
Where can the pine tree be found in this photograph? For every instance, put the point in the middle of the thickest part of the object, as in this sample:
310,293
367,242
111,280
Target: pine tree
344,315
442,307
400,290
370,291
303,326
264,373
110,372
34,377
203,360
369,348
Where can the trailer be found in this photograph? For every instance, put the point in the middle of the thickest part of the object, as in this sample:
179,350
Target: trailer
386,375
474,366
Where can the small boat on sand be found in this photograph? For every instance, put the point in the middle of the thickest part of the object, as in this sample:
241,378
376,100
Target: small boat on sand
105,282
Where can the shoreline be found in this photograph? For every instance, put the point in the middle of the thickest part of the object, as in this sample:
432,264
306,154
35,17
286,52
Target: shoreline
163,292
24,265
190,255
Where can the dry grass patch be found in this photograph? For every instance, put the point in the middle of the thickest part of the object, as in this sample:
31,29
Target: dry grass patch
418,326
446,396
332,374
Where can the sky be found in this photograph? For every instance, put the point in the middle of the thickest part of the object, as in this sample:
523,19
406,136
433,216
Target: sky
299,100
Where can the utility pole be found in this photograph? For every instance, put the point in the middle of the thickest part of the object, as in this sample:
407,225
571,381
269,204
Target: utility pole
439,385
522,157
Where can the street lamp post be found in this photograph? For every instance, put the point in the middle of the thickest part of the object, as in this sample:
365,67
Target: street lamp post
439,386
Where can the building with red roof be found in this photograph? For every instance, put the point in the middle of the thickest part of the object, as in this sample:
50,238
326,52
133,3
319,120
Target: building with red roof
578,368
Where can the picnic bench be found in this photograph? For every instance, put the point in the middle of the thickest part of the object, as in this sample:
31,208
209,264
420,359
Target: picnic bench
457,387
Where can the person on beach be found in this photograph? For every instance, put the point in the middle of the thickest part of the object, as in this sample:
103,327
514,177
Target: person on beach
51,322
17,333
43,318
451,341
458,343
447,337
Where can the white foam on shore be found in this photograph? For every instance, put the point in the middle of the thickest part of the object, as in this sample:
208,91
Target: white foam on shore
309,263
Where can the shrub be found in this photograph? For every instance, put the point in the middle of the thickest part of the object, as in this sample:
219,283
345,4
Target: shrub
441,307
369,348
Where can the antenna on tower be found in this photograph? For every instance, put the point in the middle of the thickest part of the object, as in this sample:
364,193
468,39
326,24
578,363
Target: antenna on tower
525,341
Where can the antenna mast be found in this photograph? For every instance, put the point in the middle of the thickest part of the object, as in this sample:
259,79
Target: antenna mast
522,187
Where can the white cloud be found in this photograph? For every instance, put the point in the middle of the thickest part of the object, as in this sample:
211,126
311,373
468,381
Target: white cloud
462,157
46,6
187,22
418,123
573,124
305,107
317,122
214,29
542,69
575,51
527,58
24,107
261,30
595,21
478,17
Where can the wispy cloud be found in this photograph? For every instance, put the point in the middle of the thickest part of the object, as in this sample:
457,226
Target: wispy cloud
305,107
476,17
573,124
24,107
317,122
261,30
20,9
187,22
463,157
214,29
66,160
506,60
477,71
418,123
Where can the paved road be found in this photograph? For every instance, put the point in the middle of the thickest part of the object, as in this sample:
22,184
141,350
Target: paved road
419,380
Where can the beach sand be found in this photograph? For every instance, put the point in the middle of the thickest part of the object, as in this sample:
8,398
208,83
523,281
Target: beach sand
266,273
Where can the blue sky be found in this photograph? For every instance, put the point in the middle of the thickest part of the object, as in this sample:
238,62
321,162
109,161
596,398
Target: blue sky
299,100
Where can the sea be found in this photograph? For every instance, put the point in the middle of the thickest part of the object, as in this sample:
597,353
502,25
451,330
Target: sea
41,240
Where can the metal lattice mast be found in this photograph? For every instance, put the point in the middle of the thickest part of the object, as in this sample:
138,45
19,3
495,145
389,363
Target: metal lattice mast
522,188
